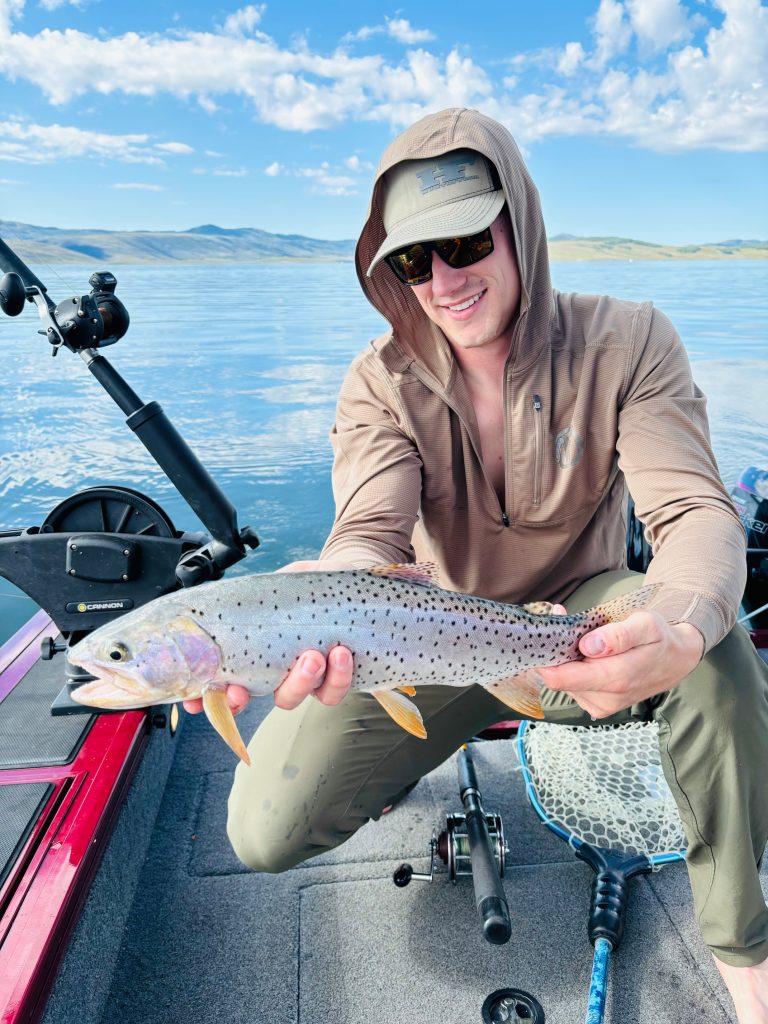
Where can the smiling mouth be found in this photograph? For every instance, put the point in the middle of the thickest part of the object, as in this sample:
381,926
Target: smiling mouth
460,306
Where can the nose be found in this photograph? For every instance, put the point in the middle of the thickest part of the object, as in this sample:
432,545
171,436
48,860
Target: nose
445,278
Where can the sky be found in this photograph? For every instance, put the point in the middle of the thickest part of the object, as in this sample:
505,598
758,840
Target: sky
646,119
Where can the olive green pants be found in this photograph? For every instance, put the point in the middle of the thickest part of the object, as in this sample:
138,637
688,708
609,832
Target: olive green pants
318,773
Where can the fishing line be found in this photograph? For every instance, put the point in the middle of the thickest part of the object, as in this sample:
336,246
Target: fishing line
601,789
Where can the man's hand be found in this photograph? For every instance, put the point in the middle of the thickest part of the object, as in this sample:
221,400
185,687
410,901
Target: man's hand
627,662
327,679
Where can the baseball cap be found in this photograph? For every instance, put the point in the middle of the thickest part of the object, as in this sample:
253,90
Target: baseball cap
446,196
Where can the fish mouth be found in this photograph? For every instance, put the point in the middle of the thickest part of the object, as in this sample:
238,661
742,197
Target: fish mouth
102,694
110,689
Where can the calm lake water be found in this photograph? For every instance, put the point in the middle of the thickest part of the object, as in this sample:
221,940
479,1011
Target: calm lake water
246,360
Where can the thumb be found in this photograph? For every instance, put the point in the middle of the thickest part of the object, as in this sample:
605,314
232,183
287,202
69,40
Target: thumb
617,637
592,645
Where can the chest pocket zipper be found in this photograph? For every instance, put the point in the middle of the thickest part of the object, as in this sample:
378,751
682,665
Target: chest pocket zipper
538,444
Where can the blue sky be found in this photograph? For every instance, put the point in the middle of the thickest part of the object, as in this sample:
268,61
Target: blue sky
641,118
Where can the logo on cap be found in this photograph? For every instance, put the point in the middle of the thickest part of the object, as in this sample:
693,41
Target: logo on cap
447,172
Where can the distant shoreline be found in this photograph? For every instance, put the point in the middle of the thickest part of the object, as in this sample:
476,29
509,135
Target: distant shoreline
565,253
209,244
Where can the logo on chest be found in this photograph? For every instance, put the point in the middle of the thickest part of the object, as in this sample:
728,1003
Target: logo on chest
569,448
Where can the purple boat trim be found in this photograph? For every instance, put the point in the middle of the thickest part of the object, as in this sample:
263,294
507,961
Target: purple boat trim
19,653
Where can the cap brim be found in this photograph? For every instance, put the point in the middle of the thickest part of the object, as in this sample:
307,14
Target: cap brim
454,220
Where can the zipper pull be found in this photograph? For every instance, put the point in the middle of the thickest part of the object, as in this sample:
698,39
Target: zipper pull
505,518
536,403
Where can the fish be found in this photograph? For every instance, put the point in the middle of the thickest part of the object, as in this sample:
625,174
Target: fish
403,629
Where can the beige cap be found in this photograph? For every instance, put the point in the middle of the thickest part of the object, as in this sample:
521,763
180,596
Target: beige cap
447,196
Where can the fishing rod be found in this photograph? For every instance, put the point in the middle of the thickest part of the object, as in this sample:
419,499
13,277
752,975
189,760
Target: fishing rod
107,549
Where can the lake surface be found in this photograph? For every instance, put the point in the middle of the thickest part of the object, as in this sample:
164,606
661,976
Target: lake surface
246,360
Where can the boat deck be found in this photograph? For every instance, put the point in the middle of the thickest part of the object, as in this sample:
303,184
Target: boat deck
335,941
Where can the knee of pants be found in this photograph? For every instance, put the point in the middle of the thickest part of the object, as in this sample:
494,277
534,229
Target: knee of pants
261,844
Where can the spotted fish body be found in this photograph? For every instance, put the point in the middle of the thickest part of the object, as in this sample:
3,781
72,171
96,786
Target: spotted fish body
403,630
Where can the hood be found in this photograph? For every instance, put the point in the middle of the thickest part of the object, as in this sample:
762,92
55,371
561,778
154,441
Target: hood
412,330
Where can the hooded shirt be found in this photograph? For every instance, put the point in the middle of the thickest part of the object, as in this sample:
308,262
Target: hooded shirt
598,397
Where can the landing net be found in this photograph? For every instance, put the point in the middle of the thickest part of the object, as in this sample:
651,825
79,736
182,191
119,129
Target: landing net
602,785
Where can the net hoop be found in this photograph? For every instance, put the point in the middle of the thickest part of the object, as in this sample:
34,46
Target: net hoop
602,785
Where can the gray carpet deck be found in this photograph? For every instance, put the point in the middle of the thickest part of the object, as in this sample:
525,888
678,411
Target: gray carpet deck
335,942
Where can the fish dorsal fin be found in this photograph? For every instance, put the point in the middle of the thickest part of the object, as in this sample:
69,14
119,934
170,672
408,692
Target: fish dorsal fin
539,607
402,711
422,574
521,692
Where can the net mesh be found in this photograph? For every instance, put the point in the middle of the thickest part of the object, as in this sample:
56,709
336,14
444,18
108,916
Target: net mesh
605,785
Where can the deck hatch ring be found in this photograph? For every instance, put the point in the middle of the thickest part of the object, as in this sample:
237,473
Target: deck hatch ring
512,1006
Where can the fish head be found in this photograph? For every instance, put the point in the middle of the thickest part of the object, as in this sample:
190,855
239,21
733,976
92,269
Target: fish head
149,656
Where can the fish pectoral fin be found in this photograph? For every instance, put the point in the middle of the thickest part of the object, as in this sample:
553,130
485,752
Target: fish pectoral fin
521,692
409,690
539,607
219,714
402,711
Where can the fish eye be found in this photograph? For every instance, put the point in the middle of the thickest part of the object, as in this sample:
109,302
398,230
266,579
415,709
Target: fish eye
119,652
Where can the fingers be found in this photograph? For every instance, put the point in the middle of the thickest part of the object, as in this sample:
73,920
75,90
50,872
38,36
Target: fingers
328,681
237,698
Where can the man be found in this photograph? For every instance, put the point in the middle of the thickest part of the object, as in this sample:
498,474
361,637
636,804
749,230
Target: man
492,431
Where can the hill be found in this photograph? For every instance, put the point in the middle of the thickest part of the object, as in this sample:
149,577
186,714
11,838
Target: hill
570,247
211,244
204,244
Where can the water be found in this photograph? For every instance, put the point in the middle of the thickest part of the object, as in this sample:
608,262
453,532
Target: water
247,361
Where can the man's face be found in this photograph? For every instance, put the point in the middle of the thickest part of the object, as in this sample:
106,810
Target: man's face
477,305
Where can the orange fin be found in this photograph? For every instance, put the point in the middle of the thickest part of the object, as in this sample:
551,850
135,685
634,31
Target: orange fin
422,574
521,692
539,607
619,608
220,716
410,690
402,711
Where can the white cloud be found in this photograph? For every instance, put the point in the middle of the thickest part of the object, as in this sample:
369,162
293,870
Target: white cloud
354,163
326,179
364,33
245,20
23,142
225,173
180,148
52,5
611,30
401,30
658,23
570,60
641,78
9,181
139,186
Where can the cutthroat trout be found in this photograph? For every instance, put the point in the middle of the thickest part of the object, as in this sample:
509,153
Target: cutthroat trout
403,630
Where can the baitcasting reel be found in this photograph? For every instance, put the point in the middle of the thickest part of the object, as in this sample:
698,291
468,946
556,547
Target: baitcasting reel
472,844
453,848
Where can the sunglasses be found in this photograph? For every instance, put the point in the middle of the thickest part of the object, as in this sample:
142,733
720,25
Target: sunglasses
413,265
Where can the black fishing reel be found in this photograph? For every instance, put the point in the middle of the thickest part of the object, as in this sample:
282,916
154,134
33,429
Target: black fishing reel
453,847
472,845
93,320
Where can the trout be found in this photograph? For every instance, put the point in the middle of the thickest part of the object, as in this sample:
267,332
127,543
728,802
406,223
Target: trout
404,631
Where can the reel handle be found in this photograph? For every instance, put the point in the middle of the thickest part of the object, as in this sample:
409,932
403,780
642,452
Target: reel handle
490,899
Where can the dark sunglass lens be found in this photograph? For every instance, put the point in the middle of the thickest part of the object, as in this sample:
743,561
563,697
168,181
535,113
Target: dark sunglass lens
412,265
462,252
